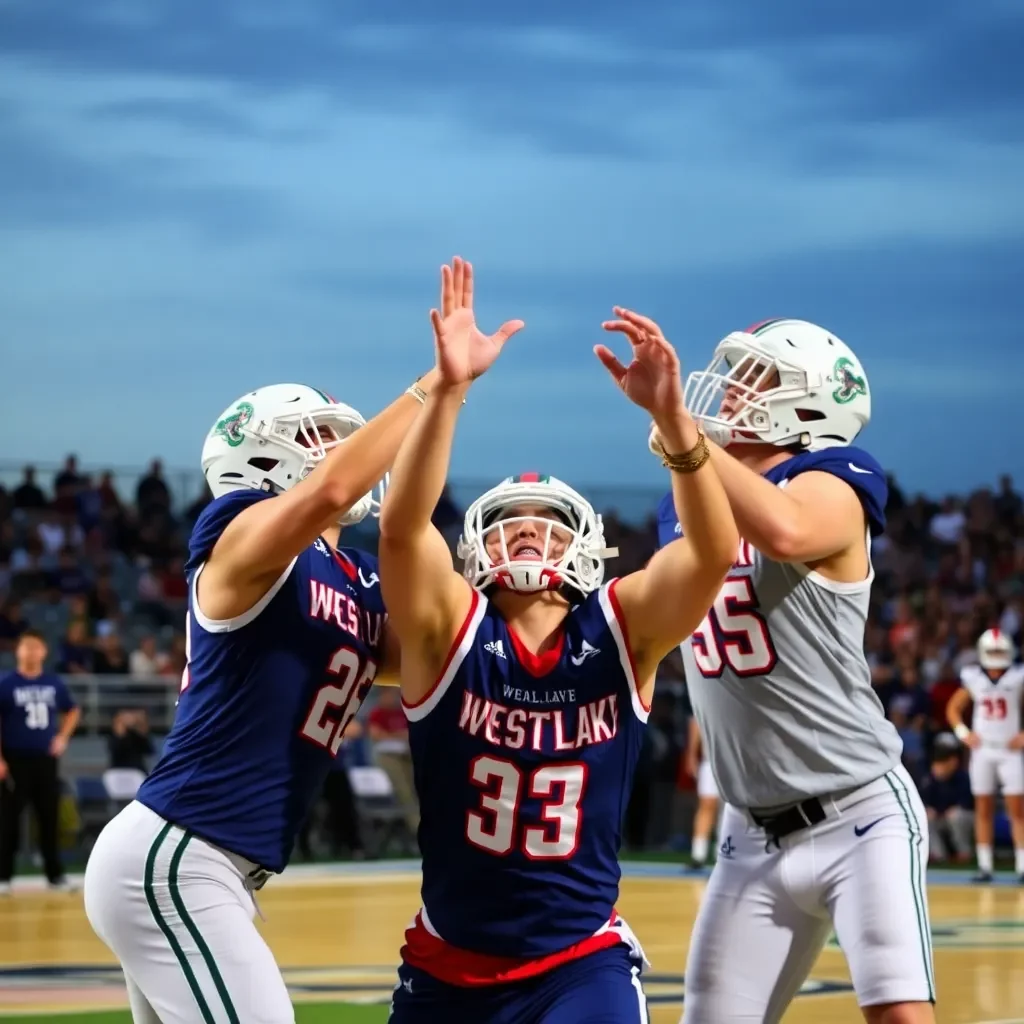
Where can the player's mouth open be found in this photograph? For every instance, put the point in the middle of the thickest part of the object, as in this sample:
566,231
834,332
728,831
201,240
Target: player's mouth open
526,551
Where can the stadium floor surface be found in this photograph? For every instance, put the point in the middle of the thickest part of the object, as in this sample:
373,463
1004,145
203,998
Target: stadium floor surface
336,929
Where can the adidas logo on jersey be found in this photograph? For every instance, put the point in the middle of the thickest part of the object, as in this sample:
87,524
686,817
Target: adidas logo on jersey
586,651
320,546
495,647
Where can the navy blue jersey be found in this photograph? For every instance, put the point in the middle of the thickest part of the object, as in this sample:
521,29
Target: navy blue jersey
853,465
524,766
30,711
266,696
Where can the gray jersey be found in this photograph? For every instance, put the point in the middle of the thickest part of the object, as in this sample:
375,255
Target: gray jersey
781,687
782,690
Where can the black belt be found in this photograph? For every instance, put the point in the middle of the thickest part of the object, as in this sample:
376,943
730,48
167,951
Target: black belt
259,877
793,819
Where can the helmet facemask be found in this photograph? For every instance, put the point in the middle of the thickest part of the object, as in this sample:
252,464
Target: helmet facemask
270,440
561,528
319,432
750,396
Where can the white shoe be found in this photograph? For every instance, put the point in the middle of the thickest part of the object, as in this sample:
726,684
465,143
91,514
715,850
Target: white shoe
62,885
5,888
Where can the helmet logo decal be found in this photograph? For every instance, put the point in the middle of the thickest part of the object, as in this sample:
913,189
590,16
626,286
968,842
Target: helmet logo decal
230,427
850,385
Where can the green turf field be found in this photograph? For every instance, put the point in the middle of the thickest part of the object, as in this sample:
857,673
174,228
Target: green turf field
305,1013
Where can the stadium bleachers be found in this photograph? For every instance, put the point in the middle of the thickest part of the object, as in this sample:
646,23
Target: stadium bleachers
93,560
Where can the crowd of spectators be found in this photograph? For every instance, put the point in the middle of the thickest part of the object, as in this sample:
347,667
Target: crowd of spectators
102,577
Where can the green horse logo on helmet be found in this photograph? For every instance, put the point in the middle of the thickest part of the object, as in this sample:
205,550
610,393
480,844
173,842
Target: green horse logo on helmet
230,427
850,384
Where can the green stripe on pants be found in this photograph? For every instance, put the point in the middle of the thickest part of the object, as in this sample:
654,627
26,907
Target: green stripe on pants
916,876
190,926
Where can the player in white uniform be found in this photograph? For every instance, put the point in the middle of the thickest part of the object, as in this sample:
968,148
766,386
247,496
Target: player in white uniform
699,767
823,828
996,687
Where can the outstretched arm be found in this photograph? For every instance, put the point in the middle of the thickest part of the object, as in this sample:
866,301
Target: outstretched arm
260,542
427,599
816,516
665,601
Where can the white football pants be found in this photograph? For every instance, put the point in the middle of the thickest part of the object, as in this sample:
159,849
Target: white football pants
992,768
178,915
769,909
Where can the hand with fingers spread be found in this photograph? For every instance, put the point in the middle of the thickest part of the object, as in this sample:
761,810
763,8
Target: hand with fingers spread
652,379
463,351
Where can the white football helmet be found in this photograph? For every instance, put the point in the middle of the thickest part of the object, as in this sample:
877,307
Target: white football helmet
995,650
580,566
820,399
273,437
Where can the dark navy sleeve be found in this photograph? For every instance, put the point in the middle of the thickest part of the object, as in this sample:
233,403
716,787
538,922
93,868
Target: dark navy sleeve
214,519
926,790
852,465
65,701
668,522
965,798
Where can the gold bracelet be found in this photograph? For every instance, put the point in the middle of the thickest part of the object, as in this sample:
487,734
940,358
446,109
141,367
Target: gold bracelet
688,462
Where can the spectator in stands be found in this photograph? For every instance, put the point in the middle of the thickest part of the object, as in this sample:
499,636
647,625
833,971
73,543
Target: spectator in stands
147,660
152,494
174,588
68,578
389,732
52,534
149,594
104,601
909,709
130,743
12,624
1007,502
90,505
76,656
28,495
946,794
947,525
110,655
37,718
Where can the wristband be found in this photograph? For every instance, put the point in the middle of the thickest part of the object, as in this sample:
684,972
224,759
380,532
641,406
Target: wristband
961,732
418,393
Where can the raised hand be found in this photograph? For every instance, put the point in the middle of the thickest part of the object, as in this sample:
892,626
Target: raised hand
652,380
462,350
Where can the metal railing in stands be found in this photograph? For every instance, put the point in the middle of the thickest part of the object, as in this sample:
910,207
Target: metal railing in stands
101,697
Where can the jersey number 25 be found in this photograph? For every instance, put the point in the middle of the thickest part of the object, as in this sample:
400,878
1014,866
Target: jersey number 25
734,633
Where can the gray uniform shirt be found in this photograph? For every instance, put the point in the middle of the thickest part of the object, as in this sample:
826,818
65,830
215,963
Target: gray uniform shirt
779,681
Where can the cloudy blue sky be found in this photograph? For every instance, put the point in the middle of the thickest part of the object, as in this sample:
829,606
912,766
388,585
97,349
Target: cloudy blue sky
199,198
